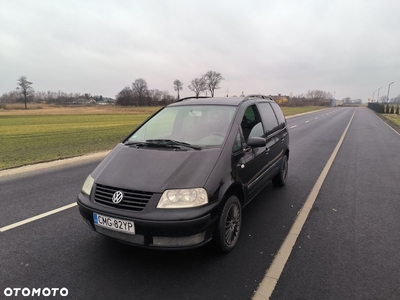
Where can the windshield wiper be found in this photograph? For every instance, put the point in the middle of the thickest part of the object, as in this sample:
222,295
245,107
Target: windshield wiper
173,142
151,144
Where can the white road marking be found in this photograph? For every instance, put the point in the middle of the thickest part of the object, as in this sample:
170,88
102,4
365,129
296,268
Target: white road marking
23,222
307,121
267,286
293,126
316,118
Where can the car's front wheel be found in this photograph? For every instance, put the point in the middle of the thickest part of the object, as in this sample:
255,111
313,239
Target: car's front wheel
228,228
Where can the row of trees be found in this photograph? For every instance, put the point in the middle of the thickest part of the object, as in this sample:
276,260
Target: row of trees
312,97
139,94
385,108
209,81
384,98
50,97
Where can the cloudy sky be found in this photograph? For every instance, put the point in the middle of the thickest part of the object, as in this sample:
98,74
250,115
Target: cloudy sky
350,47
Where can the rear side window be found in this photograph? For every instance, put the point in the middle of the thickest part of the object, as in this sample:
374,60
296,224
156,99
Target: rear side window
269,118
279,115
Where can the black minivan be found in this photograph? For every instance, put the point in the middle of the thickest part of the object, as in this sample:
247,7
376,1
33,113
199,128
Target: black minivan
182,178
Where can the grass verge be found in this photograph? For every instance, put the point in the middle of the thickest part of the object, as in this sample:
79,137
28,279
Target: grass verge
392,120
290,111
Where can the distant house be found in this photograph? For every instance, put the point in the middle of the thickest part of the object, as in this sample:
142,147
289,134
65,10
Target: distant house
81,101
338,102
106,101
280,99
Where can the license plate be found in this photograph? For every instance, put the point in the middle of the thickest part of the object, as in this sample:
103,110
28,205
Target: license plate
114,224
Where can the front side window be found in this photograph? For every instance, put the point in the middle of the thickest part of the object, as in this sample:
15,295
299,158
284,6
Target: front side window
203,125
251,123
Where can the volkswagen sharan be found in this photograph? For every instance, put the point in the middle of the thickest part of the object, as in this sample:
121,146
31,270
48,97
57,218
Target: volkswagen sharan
181,179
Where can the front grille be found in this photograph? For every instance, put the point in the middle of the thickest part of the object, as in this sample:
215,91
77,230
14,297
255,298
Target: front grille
133,200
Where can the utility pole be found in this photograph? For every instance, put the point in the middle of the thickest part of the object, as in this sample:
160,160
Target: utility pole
388,92
377,99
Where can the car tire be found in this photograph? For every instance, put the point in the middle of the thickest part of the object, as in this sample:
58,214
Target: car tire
281,178
229,224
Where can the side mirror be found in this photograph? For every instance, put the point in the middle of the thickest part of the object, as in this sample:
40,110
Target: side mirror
256,141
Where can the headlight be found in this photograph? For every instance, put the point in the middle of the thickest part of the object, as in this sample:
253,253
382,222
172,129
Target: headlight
87,186
183,198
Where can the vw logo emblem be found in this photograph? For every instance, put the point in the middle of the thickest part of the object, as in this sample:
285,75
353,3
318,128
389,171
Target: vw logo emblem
117,197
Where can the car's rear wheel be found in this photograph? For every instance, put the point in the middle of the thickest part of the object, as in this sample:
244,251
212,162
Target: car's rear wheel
281,178
228,228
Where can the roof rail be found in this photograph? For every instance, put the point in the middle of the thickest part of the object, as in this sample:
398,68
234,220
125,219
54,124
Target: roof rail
256,96
193,97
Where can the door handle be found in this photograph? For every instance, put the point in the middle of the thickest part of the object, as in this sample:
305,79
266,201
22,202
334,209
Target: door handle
267,150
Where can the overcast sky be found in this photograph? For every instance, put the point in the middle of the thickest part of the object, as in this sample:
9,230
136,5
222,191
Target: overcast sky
99,47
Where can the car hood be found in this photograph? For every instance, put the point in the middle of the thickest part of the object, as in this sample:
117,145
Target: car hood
155,169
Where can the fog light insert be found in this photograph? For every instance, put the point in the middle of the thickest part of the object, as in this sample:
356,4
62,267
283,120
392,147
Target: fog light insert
181,241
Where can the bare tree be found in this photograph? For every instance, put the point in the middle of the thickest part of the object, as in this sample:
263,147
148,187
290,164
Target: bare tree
317,97
198,85
213,80
178,86
396,99
139,88
24,87
383,99
10,97
155,96
125,97
166,98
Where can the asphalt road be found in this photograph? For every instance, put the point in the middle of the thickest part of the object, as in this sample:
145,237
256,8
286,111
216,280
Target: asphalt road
348,248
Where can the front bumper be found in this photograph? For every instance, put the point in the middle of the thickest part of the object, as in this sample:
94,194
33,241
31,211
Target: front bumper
169,233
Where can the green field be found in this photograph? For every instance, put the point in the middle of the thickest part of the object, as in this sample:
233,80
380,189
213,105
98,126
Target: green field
31,137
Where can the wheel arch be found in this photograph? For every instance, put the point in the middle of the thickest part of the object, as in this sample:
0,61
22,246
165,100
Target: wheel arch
235,190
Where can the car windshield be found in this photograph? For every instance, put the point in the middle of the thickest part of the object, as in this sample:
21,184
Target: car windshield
202,125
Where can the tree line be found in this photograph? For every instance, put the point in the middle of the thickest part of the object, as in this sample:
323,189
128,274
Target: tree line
137,94
140,95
